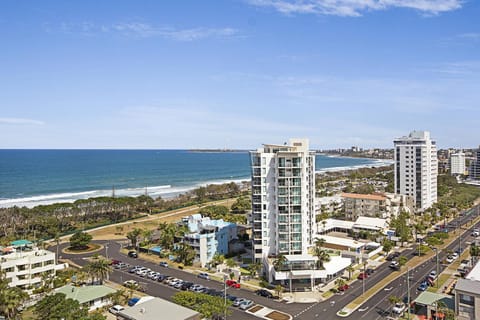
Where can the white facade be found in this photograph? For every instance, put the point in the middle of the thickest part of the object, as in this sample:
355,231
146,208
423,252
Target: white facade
25,268
283,199
416,168
457,163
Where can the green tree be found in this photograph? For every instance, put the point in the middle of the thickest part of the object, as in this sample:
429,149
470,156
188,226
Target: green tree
133,236
280,262
278,290
208,306
11,298
217,259
241,205
185,253
58,307
230,263
350,270
402,260
98,269
393,300
254,268
80,240
387,245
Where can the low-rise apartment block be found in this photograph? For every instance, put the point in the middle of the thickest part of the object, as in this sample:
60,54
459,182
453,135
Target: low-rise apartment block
375,205
467,296
24,264
208,237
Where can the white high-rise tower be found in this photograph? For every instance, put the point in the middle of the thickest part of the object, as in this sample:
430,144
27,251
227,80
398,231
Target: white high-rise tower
457,163
283,196
416,168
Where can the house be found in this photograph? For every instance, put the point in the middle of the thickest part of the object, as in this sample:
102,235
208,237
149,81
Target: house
157,308
93,297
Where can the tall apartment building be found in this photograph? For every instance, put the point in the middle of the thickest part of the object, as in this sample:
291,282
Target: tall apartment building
457,163
416,168
474,170
283,198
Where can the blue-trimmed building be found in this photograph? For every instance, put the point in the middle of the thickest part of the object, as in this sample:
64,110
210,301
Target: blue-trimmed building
208,237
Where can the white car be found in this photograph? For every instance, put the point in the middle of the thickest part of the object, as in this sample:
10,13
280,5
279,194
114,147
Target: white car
455,256
246,304
238,302
116,309
399,308
449,259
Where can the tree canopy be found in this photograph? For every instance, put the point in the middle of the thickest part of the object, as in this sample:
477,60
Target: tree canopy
80,240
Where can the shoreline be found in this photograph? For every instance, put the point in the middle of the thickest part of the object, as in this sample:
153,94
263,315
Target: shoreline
164,191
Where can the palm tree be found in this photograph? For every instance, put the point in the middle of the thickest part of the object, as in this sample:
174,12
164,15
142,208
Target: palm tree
133,236
230,263
278,290
147,236
350,270
321,255
10,298
280,262
119,297
185,253
217,259
320,242
339,282
98,269
253,268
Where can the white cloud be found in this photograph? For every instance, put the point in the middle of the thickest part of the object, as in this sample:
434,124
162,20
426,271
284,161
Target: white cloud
21,121
144,30
354,8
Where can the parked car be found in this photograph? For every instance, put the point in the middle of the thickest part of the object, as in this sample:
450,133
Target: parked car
433,275
114,262
455,256
116,309
423,286
343,287
186,285
178,284
133,301
369,271
130,284
399,308
204,275
238,301
264,293
449,259
476,233
132,254
231,298
134,269
233,284
163,264
362,276
246,304
394,265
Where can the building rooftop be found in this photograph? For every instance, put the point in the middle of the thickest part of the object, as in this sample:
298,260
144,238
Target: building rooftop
85,293
364,196
427,298
21,243
157,308
468,285
334,223
341,241
10,253
474,274
370,223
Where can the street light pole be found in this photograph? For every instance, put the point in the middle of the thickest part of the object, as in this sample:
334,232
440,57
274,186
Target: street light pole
436,253
106,252
364,276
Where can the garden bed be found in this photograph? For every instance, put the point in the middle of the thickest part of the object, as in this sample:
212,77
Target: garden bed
276,315
255,309
91,248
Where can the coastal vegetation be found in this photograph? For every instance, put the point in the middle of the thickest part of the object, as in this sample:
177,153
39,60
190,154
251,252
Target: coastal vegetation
209,306
51,221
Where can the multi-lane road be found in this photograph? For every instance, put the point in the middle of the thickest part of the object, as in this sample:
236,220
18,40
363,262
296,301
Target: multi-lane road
377,307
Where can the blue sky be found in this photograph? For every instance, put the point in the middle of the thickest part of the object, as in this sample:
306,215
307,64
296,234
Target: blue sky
208,74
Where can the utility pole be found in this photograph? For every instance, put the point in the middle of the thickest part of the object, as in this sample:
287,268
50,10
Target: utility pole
364,276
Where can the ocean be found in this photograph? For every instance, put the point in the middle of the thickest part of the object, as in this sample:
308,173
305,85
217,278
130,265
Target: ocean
34,177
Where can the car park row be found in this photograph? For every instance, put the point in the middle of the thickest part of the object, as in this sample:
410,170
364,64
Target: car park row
180,284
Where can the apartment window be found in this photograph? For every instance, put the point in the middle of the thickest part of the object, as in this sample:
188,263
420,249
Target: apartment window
466,299
264,171
265,243
264,161
265,234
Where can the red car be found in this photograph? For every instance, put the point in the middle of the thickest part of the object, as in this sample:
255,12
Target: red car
344,287
233,284
362,276
114,262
